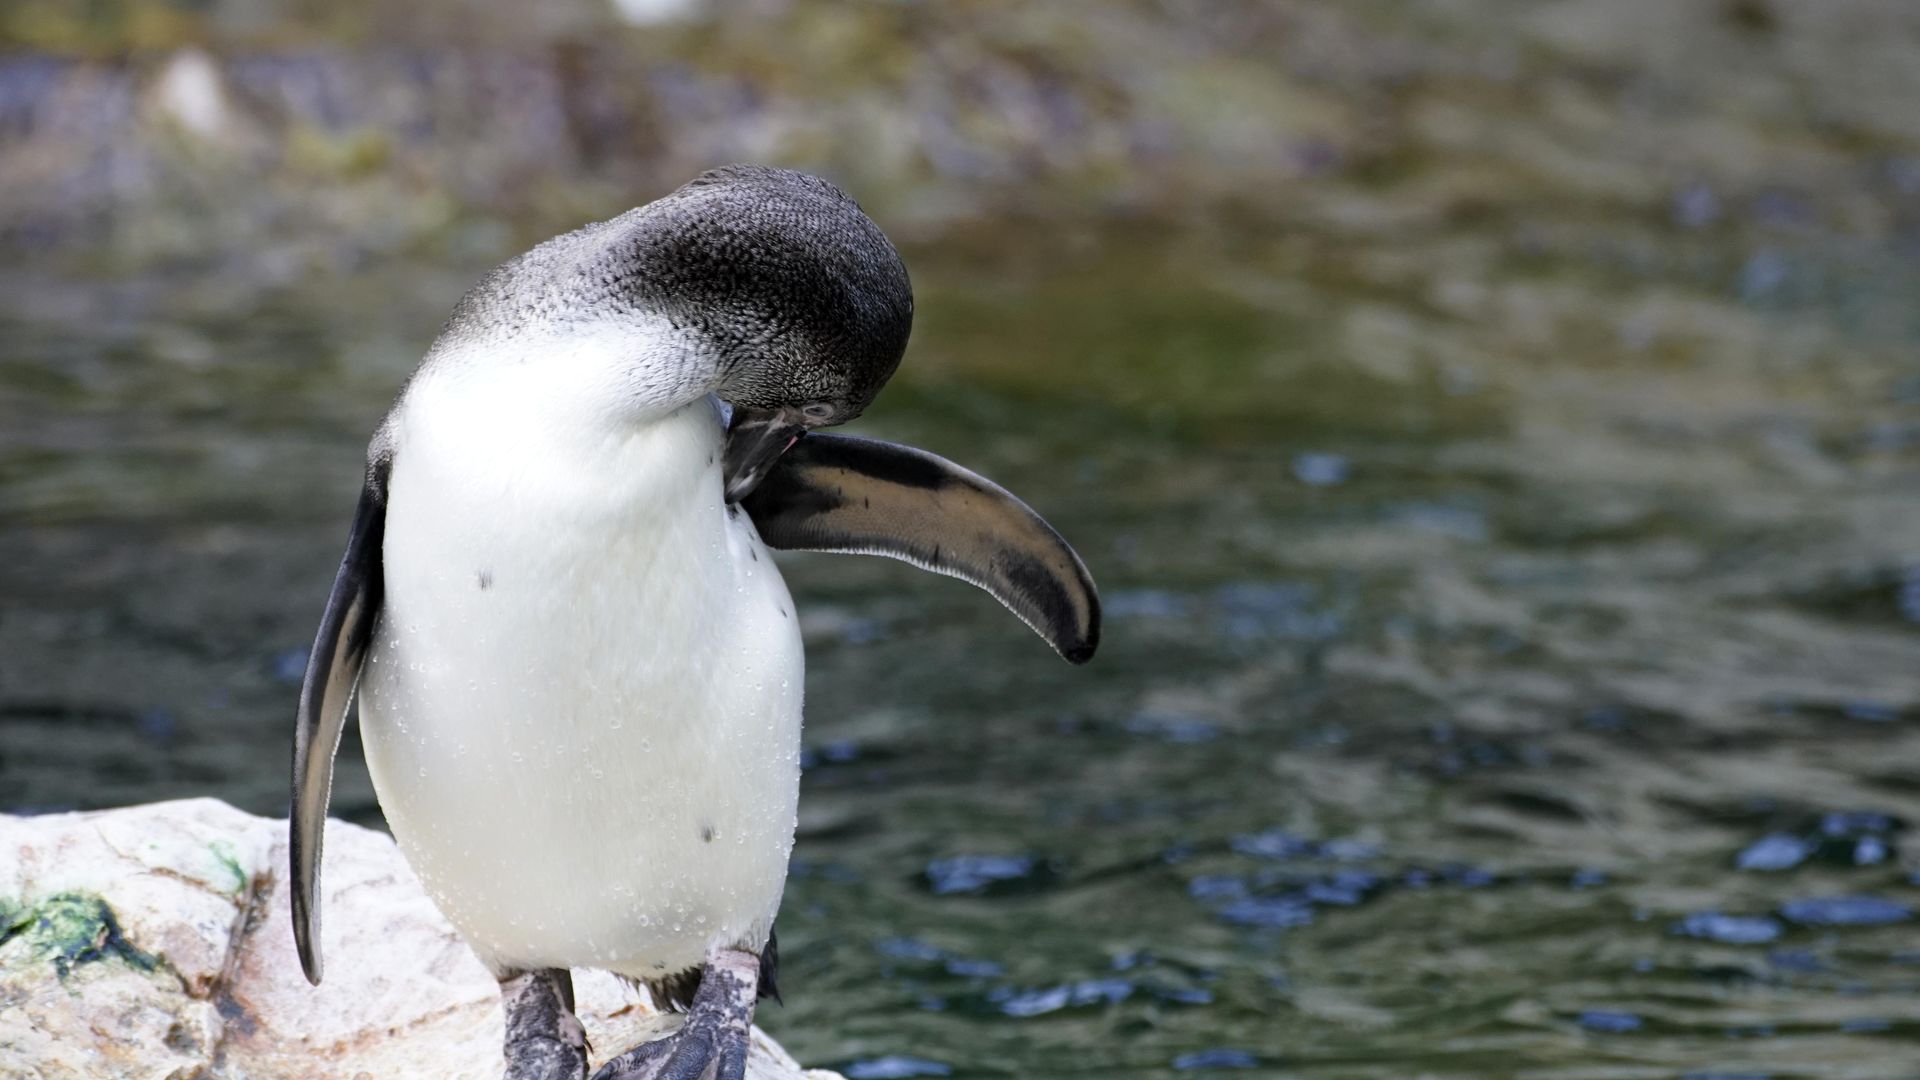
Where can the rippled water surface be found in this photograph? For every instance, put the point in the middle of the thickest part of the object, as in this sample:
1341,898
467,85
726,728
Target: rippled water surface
1510,665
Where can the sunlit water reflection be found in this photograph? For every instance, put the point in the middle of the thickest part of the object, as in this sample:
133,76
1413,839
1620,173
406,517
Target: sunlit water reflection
1510,667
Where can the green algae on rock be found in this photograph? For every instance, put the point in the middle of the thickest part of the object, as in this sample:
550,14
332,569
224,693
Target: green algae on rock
69,929
124,952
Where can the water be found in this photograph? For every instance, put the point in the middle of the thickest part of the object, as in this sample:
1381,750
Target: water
1510,666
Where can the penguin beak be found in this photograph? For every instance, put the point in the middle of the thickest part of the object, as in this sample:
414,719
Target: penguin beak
755,440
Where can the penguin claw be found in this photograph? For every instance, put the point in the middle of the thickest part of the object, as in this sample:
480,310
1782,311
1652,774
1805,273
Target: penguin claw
714,1040
697,1051
733,1060
648,1060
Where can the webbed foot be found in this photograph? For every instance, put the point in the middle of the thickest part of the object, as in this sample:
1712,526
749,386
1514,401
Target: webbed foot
714,1040
544,1039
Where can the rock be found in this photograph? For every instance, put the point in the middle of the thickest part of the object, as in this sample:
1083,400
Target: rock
154,942
189,92
657,12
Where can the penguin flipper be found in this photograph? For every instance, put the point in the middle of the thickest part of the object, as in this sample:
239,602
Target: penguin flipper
863,496
333,671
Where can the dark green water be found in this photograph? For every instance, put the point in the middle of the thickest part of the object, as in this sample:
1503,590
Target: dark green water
1481,595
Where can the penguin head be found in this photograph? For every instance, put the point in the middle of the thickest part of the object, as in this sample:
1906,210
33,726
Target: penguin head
797,292
794,303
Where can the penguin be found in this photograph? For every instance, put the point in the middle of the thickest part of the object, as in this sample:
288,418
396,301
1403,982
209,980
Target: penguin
579,672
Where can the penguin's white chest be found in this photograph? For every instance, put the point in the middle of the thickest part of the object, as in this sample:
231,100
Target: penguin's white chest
582,706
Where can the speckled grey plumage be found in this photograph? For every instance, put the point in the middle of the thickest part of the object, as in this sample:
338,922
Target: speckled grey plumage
780,273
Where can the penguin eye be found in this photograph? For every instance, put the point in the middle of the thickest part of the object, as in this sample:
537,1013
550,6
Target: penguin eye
819,410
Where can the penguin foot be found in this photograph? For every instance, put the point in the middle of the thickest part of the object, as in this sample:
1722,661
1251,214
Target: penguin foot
714,1040
544,1039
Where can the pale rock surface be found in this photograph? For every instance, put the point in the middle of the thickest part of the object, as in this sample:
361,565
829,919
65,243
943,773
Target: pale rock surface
154,943
190,92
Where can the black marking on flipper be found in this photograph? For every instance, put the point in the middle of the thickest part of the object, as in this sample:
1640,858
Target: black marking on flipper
863,496
787,491
770,968
882,461
1050,595
333,673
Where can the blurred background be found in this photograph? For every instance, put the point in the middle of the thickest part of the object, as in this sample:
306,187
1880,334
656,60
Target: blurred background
1493,423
